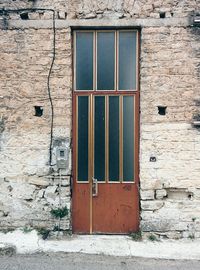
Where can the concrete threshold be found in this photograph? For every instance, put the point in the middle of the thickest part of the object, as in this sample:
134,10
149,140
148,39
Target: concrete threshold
111,245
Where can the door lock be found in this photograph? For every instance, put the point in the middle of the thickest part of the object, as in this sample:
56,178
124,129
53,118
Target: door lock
94,187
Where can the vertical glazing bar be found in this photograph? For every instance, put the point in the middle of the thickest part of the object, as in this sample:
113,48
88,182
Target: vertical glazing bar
95,61
121,138
137,60
115,86
117,61
91,154
89,138
107,139
134,138
76,138
74,77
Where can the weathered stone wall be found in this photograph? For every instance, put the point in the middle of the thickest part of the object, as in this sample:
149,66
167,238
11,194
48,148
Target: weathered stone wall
169,76
108,8
28,189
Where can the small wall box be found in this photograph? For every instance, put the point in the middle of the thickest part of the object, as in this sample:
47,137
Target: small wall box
196,20
196,123
61,158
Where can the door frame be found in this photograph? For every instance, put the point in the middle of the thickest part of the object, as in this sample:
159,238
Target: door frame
135,93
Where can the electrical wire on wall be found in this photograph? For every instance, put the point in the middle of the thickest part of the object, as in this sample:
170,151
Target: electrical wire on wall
49,90
4,13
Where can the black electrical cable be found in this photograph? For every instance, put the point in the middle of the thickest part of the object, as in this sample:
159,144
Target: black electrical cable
49,90
3,12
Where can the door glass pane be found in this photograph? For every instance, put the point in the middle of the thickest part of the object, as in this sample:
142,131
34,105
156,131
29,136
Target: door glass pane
128,138
127,60
84,60
113,138
105,60
99,138
82,138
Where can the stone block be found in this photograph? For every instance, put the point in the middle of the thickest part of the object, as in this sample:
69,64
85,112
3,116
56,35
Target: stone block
161,193
62,15
91,15
65,183
196,194
177,194
169,65
7,250
163,225
155,225
41,193
147,194
50,190
38,182
33,15
148,183
151,205
197,234
23,191
173,235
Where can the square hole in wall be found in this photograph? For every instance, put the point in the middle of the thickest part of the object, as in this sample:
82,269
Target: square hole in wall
162,110
38,111
162,15
24,16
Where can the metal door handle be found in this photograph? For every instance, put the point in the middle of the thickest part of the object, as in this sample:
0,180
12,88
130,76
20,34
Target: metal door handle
94,187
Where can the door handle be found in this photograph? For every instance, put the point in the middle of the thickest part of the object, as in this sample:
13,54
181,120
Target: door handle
94,187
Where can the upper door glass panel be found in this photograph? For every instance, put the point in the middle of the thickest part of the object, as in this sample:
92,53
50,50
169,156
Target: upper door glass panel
84,60
106,60
127,60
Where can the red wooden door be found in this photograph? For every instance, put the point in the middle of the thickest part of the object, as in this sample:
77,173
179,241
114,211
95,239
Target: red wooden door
105,133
